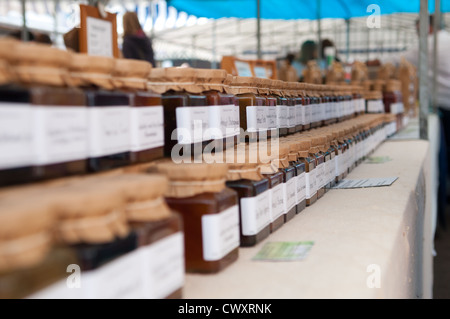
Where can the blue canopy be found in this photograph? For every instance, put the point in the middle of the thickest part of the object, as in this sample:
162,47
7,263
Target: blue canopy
298,9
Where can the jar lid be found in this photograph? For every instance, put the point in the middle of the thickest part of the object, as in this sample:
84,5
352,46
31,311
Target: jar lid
8,49
131,74
90,212
40,64
162,80
88,70
243,165
244,84
25,231
189,179
143,195
373,95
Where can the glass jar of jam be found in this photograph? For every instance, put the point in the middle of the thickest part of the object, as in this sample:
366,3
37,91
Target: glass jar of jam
310,170
282,106
28,261
210,214
253,191
92,223
331,140
325,151
316,142
108,112
223,108
374,102
146,113
289,179
44,122
300,182
306,112
159,233
271,103
297,89
186,111
252,108
315,106
289,92
393,100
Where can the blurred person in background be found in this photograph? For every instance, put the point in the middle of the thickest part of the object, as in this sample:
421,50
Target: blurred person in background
308,52
323,62
136,44
287,72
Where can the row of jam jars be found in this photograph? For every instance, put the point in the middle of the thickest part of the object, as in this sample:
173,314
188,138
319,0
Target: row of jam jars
300,174
263,85
29,262
393,100
146,112
223,108
186,111
252,108
304,143
159,233
43,119
254,194
210,213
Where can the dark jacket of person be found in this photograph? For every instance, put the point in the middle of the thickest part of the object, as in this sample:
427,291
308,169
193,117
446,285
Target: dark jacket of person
138,47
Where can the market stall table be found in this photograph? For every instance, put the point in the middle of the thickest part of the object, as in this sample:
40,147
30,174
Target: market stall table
360,235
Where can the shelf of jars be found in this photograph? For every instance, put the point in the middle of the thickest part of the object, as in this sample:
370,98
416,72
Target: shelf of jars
94,144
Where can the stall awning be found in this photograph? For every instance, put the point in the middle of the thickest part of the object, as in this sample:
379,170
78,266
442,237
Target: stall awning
298,9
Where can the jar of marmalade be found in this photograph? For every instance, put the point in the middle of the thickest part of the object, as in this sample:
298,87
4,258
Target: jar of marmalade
310,169
210,214
146,113
271,103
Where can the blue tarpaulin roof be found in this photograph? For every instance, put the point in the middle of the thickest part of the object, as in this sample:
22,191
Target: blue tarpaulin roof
298,9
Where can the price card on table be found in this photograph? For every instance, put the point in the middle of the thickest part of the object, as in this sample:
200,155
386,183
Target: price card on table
366,182
284,251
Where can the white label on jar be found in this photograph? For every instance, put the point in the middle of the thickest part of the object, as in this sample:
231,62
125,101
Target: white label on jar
397,108
301,187
310,180
16,135
147,128
332,169
109,130
61,134
252,124
289,190
320,175
224,120
220,233
58,290
163,267
337,164
299,114
277,200
192,124
255,213
120,278
323,113
291,120
261,117
308,114
282,114
272,117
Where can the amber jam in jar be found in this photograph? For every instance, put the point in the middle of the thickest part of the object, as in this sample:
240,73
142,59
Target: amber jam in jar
253,109
158,230
108,112
209,211
282,106
271,104
146,112
310,170
43,122
254,198
223,107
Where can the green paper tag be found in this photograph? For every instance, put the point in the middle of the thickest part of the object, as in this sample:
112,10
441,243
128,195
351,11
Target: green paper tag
378,159
284,251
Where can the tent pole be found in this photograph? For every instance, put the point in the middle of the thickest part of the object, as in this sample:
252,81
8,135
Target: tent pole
258,29
24,21
436,28
319,33
214,60
423,69
347,22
